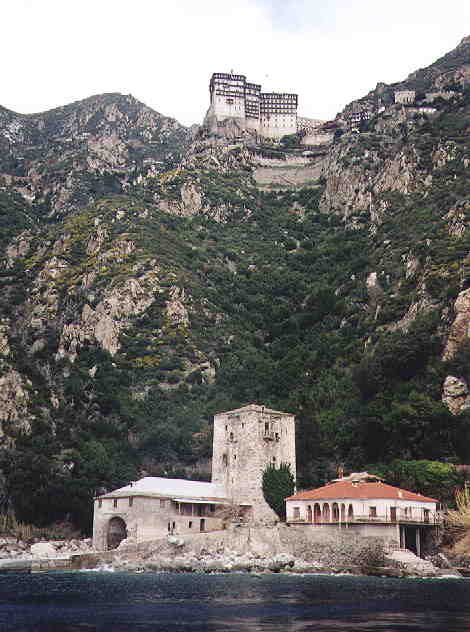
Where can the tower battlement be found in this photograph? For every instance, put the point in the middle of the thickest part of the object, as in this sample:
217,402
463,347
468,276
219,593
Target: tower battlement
269,114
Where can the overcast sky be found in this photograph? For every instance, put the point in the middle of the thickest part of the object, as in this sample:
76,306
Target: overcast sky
164,51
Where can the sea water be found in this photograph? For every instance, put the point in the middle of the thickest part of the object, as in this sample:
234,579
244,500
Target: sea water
123,602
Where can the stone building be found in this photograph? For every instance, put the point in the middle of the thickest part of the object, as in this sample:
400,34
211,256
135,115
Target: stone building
366,506
405,97
268,114
245,442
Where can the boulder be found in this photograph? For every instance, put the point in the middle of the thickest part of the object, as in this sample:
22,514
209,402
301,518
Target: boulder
43,549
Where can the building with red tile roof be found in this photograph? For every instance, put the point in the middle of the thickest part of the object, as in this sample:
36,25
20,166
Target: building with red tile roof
368,506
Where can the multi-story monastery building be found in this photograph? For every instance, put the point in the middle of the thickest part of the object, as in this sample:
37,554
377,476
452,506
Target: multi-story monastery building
268,114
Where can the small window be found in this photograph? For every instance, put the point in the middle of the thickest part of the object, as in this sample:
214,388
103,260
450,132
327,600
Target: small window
224,460
115,503
173,525
234,457
231,436
162,502
190,524
274,459
296,513
372,512
100,503
131,501
277,436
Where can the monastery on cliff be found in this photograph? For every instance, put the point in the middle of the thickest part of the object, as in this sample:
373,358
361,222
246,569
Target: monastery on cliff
234,99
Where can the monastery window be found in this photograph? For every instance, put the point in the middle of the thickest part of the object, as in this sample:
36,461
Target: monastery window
115,503
231,436
296,515
224,460
190,524
162,502
131,501
372,512
274,460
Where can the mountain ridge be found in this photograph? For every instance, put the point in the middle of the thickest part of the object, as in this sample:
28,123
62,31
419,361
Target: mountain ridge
149,282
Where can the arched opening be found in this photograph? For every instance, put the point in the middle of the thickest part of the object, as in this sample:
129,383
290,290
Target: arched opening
343,512
326,512
309,514
350,513
117,532
316,513
335,509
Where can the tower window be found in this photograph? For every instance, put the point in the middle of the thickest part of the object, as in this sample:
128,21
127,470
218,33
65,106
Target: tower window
231,436
115,503
224,460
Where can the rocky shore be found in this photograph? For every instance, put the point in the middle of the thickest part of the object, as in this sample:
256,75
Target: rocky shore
244,549
266,549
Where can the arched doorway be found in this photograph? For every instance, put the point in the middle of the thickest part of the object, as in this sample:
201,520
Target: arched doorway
309,513
343,513
316,513
335,509
350,513
117,532
326,512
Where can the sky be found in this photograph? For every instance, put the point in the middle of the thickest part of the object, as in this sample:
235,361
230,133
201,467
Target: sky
163,52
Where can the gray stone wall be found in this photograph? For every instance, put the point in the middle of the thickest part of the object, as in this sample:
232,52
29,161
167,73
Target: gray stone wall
246,441
149,518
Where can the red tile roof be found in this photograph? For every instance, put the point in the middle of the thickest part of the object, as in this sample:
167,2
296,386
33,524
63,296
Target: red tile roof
359,491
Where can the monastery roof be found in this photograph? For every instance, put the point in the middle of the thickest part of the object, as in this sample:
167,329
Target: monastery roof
170,488
343,490
257,408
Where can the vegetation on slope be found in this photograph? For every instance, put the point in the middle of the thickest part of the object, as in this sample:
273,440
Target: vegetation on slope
269,301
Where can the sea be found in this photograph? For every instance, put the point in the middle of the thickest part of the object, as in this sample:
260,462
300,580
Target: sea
170,602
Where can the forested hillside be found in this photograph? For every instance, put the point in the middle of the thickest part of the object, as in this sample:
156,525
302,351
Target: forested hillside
148,283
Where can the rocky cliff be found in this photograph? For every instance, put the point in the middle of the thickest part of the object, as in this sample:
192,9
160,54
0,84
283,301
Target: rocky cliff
153,275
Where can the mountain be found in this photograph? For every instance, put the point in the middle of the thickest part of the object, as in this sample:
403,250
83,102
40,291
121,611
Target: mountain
154,275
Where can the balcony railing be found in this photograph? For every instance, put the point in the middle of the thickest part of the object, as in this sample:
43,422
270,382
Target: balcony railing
432,519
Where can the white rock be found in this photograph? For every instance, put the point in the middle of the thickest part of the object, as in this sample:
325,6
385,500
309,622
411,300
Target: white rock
43,549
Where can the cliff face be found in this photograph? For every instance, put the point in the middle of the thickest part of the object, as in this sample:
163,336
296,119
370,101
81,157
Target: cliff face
149,281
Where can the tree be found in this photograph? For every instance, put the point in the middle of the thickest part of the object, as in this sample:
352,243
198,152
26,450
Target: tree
278,484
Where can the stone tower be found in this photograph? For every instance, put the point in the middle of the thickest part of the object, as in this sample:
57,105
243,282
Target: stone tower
246,441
